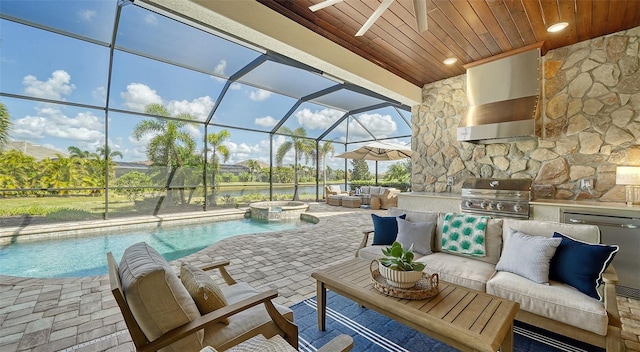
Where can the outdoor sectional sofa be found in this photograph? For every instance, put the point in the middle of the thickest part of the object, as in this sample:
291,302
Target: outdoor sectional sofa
387,197
555,306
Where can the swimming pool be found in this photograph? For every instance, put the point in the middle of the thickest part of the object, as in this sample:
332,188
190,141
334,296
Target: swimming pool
86,256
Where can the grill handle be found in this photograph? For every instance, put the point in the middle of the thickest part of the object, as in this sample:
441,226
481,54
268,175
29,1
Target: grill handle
598,223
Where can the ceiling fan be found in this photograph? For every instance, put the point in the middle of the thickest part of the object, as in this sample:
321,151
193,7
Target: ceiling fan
419,6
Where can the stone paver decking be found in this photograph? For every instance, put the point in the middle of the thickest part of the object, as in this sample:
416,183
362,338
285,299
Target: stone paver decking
81,314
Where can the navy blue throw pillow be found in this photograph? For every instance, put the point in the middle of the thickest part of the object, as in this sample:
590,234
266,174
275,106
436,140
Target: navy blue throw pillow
581,264
385,229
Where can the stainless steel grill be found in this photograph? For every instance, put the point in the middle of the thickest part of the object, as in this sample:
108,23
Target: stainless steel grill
497,197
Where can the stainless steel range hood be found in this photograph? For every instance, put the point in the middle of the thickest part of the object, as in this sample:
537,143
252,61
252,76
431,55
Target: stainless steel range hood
503,99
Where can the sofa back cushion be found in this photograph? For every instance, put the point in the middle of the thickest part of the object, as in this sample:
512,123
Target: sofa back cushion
586,233
493,240
415,216
335,188
418,217
157,299
375,190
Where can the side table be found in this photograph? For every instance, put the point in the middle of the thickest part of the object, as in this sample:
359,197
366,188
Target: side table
375,203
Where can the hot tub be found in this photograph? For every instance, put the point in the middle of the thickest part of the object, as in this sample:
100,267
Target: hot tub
277,210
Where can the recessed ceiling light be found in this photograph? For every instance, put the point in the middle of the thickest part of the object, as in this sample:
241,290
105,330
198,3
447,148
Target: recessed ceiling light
450,61
557,27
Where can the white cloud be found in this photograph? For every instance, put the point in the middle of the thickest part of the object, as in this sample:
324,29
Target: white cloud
198,107
259,95
266,121
220,68
259,150
151,19
138,96
100,95
51,122
55,87
319,119
138,150
235,86
87,15
380,126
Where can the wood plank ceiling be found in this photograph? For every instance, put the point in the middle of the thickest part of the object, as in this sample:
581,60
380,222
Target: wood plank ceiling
469,30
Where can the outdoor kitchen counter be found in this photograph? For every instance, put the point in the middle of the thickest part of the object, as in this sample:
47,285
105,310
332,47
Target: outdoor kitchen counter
430,201
541,209
551,209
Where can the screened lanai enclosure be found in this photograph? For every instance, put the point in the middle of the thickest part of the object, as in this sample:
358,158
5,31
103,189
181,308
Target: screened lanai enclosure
118,108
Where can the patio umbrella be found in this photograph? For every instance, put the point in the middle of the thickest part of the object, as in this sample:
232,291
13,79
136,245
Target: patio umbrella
378,151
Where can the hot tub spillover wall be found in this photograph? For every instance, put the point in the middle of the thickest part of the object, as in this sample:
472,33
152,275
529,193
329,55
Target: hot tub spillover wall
277,210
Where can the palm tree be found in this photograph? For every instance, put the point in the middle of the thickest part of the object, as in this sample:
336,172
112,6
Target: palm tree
5,125
17,170
254,166
75,152
60,172
215,141
168,137
301,147
106,153
326,149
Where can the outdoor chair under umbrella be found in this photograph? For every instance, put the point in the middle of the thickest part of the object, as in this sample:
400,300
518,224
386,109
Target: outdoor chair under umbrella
378,151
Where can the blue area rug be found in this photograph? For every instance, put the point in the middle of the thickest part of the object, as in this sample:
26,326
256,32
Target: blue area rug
372,331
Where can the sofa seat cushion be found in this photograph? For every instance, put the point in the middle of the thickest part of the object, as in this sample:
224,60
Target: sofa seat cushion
458,270
375,252
158,300
556,301
245,324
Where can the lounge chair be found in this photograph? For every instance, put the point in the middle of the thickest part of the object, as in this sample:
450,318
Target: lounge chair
161,313
333,190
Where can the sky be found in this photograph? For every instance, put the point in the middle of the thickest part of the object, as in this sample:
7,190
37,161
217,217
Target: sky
46,65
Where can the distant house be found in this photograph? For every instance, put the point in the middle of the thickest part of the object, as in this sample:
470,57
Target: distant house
122,167
37,151
235,169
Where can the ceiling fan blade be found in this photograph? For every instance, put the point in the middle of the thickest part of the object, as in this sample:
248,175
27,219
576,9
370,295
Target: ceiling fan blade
420,9
322,5
376,14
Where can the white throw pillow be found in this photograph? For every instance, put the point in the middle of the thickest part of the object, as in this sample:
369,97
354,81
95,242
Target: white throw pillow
417,233
528,256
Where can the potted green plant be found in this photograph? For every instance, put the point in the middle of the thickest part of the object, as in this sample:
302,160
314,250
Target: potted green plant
398,267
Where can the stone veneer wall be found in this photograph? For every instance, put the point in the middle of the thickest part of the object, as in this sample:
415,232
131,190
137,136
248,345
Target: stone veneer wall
591,117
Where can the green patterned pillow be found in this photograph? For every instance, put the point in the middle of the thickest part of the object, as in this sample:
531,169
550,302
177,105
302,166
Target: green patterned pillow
464,234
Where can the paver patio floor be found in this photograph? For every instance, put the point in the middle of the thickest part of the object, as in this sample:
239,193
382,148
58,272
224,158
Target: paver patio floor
80,314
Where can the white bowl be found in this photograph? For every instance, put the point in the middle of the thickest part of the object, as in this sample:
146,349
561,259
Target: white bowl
401,279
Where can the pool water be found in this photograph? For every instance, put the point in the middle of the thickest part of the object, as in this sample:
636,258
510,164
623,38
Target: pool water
86,256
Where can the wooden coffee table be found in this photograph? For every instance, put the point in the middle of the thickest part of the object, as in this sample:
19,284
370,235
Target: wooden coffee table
466,319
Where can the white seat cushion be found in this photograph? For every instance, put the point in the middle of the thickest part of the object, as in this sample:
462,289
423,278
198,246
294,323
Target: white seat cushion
375,252
459,270
556,301
245,324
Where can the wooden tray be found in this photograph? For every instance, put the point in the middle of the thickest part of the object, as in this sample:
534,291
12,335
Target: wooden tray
427,287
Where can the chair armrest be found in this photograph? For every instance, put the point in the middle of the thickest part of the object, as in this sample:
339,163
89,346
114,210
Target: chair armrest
610,278
220,265
610,275
365,240
340,343
214,317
